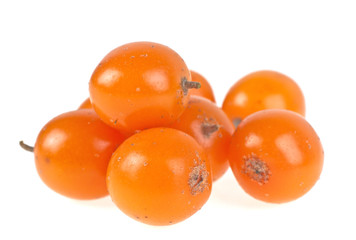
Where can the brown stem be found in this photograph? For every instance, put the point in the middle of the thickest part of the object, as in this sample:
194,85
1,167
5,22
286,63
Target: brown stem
191,84
26,147
186,85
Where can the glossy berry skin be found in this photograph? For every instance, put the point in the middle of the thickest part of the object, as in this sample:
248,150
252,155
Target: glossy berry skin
205,90
86,104
140,85
72,152
276,156
211,128
159,176
262,90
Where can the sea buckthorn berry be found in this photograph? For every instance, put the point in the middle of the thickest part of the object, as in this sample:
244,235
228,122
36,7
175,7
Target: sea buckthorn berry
72,152
140,85
205,90
276,156
262,90
159,176
86,104
211,128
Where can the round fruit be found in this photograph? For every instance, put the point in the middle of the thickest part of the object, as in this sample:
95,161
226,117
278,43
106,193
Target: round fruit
159,176
262,90
276,156
72,152
211,128
140,85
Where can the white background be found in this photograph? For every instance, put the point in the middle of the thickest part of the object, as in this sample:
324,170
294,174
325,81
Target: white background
49,49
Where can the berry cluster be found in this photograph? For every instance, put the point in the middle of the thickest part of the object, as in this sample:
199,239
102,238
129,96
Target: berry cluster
152,137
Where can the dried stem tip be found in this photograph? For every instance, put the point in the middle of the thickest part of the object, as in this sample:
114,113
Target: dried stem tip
186,85
191,84
26,147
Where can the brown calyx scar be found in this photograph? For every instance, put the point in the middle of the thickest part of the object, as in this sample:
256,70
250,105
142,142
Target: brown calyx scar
198,176
208,124
209,128
256,169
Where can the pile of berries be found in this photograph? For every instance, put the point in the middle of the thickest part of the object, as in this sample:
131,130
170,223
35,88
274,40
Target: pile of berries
152,137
